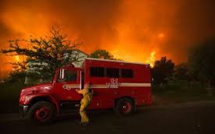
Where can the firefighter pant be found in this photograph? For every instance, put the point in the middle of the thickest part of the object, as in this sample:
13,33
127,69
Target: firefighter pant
84,104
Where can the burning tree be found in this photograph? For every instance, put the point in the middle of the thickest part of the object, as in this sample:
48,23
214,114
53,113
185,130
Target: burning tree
45,54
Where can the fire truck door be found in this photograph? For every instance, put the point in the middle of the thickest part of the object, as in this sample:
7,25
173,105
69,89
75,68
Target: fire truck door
65,88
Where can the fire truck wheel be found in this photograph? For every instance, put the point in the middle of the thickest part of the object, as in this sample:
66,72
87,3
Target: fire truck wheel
124,107
41,113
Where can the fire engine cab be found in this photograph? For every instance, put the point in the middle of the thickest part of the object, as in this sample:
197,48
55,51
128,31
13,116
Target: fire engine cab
116,84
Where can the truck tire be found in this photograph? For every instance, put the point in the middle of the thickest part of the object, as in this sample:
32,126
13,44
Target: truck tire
124,107
42,112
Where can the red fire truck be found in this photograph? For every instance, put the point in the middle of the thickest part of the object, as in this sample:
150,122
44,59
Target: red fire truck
116,84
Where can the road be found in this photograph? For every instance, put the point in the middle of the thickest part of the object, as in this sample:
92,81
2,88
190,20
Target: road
190,118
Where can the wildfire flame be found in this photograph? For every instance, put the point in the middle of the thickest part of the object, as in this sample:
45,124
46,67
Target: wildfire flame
136,57
151,59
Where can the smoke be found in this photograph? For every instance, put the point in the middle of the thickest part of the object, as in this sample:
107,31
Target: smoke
192,24
130,30
89,20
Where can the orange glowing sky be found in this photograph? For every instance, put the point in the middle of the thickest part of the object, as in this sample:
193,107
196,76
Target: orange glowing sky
132,30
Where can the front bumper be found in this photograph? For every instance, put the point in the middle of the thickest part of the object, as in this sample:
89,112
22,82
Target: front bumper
23,109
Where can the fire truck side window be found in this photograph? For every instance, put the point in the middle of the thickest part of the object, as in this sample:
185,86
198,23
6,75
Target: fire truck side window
113,72
97,72
127,73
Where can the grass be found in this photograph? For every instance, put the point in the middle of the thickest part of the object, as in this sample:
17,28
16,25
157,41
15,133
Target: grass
9,97
181,91
10,91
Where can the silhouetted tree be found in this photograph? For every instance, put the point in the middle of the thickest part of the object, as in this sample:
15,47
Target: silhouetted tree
17,76
162,71
181,72
202,61
44,54
102,54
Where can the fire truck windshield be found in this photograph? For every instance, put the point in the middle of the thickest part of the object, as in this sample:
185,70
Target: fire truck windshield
67,75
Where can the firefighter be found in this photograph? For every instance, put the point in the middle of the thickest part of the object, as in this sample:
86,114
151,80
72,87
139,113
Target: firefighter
85,102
